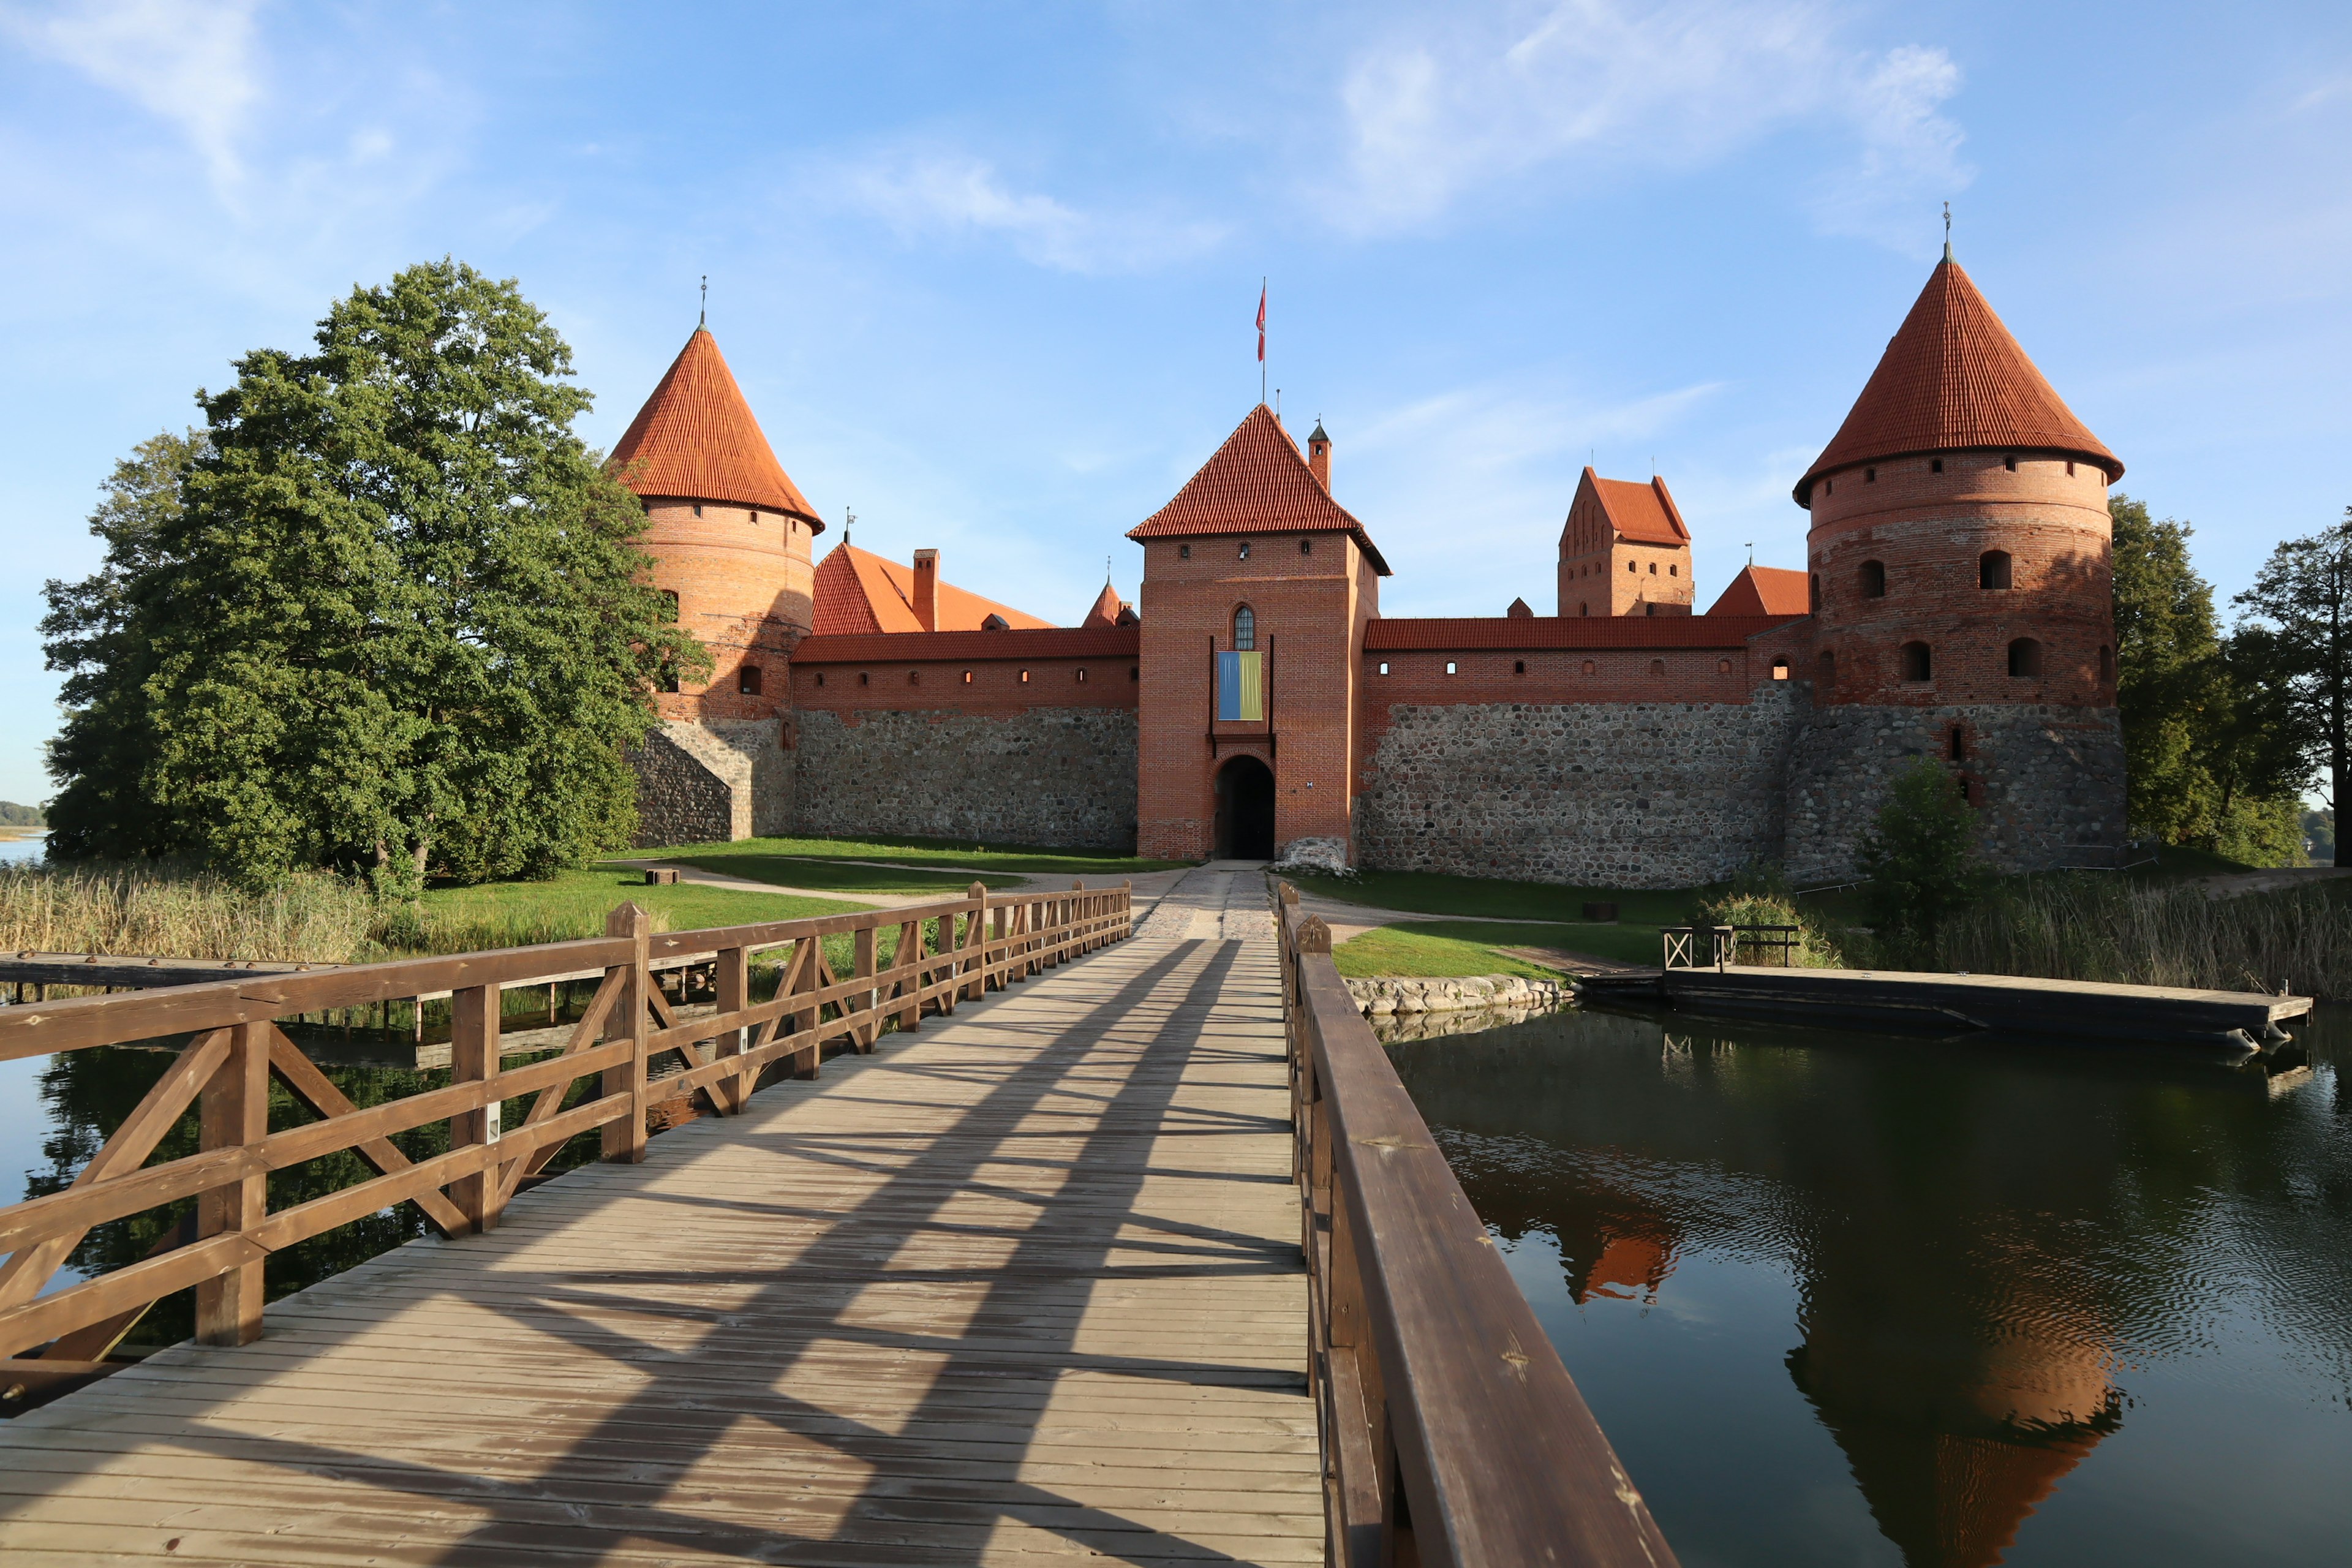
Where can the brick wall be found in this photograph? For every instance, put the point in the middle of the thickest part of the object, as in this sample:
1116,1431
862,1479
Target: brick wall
1657,793
743,580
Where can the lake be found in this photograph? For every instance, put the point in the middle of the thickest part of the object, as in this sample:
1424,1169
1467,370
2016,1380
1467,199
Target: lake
1852,1299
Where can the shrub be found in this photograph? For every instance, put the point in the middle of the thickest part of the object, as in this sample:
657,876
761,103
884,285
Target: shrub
1920,858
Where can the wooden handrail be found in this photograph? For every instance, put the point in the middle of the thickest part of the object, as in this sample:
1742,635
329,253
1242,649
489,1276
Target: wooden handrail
1452,1432
948,951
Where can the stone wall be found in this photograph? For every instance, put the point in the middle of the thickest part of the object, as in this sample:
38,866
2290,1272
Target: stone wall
2049,781
1627,794
712,783
1061,776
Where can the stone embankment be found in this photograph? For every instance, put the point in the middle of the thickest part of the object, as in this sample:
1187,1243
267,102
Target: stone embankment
1389,995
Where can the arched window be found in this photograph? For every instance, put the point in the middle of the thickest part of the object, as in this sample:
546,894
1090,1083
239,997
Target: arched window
1992,569
1916,665
2107,663
1631,566
1519,666
1307,547
1657,666
967,677
1781,668
1959,746
2024,659
1723,666
1584,609
1589,666
747,680
1245,629
1873,579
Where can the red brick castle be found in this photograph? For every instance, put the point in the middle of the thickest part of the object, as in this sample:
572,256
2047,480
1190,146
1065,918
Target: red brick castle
1957,606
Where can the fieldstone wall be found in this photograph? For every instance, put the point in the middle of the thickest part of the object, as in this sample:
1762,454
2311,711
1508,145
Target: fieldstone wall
690,788
2049,782
1625,795
1060,777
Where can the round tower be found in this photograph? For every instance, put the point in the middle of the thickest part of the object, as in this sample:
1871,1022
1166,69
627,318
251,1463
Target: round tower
1961,562
730,533
731,537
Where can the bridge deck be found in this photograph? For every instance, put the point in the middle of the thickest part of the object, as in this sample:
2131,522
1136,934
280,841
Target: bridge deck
1023,1285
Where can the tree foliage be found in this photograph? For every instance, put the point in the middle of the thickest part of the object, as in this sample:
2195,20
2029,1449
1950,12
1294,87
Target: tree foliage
1920,857
385,611
2207,758
2301,603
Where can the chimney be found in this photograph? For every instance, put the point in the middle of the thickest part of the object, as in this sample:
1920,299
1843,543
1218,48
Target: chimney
926,589
1318,455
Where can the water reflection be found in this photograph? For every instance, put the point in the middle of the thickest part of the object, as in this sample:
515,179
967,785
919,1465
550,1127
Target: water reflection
1992,1262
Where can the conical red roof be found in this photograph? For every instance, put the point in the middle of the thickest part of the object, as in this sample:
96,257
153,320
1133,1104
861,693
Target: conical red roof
1104,612
1256,483
1952,378
695,439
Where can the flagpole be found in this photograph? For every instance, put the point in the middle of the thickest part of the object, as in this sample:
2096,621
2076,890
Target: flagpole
1261,339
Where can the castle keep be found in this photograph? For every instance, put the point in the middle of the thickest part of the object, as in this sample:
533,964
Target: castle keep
1957,606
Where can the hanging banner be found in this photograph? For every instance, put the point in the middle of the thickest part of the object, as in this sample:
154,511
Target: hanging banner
1241,687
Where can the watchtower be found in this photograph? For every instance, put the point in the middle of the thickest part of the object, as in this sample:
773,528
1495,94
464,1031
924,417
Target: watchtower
1960,572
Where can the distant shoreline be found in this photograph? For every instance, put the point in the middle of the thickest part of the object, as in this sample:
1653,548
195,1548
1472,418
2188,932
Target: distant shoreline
7,832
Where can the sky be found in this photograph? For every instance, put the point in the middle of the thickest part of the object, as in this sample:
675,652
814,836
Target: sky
987,274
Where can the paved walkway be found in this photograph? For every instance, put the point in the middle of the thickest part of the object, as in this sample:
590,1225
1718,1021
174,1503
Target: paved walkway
1022,1287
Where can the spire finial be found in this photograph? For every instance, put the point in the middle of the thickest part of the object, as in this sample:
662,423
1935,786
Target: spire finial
1948,231
848,522
704,319
1106,571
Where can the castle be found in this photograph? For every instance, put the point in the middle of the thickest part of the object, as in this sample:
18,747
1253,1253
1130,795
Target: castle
1957,606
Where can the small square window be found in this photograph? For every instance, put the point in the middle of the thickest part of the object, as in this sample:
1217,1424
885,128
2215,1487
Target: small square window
1245,550
1384,667
1519,666
865,677
1184,552
747,680
1935,465
1450,667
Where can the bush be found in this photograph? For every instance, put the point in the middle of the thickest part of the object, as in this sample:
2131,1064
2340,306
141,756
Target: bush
1815,948
1921,862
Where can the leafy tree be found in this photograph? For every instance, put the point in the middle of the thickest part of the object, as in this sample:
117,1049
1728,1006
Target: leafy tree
1921,859
393,617
2319,835
2302,595
2167,651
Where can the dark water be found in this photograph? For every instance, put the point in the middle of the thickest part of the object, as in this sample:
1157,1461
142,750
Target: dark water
1855,1299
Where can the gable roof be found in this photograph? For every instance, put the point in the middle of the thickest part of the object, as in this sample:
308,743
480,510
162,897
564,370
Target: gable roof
857,591
1953,378
1643,514
695,439
1256,483
1765,590
1104,612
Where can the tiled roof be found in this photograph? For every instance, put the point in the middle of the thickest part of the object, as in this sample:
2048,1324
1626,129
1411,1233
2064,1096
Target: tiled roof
1256,483
1765,590
857,591
1104,610
1644,513
1567,631
901,647
1952,378
695,439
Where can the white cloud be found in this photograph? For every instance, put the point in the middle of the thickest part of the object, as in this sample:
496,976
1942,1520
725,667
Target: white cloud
925,194
1435,113
188,62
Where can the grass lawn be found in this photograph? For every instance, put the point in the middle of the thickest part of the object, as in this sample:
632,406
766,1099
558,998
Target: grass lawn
1015,860
510,914
1456,949
842,877
1426,892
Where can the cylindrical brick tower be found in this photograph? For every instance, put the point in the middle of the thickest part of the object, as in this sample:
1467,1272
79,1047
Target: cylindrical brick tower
731,536
1961,562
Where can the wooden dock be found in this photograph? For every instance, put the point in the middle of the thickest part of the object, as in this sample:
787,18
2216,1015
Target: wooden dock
1024,1285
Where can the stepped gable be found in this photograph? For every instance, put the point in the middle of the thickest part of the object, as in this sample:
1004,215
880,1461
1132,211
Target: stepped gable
696,439
1953,378
1258,482
859,592
1765,590
1642,513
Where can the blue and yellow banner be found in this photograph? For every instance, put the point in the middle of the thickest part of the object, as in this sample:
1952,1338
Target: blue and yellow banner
1241,687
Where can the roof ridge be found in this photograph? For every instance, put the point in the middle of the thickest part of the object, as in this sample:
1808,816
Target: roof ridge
1256,482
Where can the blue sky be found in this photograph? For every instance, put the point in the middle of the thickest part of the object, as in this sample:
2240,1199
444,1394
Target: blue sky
987,273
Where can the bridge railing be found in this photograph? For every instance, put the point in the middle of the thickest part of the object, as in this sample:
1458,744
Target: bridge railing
945,952
1450,1432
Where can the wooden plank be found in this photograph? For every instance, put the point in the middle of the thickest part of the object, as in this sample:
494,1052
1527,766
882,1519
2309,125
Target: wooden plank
234,1114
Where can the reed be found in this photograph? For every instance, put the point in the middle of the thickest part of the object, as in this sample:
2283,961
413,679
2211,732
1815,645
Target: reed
315,918
2087,928
1815,949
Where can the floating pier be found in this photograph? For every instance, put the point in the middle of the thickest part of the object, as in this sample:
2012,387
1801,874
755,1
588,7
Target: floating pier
2244,1021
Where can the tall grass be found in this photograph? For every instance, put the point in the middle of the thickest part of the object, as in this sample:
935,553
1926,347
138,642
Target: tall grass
1815,948
2087,928
317,918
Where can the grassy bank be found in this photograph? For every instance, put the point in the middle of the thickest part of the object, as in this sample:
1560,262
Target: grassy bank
1451,950
847,877
575,904
1471,946
937,854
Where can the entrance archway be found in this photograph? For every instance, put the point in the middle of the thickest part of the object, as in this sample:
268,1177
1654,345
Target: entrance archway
1244,810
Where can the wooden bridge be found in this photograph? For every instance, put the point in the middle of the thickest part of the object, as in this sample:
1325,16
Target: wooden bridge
1121,1243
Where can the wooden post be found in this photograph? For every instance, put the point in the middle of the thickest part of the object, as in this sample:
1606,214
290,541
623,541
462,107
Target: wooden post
474,1057
1000,927
975,943
733,983
234,1114
869,1032
910,951
624,1140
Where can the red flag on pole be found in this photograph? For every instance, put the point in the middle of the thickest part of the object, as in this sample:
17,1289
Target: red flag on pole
1261,324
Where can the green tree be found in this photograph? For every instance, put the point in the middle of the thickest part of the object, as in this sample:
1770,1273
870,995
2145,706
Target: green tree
1921,860
2168,648
394,617
2303,596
